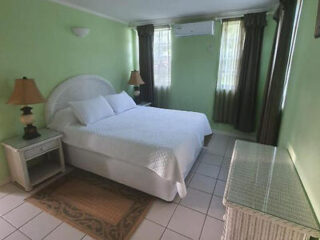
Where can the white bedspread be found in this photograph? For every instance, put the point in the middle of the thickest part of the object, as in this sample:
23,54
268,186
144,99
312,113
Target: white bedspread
164,141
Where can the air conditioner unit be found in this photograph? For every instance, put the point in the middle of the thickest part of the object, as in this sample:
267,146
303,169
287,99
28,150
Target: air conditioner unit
193,29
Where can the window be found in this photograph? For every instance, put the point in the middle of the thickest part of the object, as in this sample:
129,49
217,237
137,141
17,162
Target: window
162,57
232,40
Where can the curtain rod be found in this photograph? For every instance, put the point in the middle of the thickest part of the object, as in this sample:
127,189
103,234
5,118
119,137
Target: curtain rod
240,15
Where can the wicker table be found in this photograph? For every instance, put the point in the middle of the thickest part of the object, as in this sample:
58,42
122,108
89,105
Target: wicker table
264,197
34,161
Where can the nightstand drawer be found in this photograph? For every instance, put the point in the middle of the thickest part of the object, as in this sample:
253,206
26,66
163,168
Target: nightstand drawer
38,150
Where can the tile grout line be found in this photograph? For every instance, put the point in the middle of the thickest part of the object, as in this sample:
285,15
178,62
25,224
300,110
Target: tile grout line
24,234
179,233
13,208
15,229
207,215
150,220
205,219
166,227
213,164
52,230
207,175
216,180
201,190
220,179
30,220
210,205
193,210
208,210
212,194
5,237
8,223
213,153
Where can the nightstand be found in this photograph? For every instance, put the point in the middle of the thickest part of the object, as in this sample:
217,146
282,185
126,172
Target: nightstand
145,104
33,161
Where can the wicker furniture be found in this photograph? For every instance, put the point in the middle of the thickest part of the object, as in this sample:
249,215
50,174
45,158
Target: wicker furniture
33,161
264,197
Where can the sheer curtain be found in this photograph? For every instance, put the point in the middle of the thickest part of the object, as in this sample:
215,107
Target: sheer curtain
231,48
162,66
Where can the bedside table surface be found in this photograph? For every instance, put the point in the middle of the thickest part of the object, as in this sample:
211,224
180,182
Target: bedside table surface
144,104
19,143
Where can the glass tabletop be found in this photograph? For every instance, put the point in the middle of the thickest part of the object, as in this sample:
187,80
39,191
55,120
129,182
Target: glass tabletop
264,178
18,142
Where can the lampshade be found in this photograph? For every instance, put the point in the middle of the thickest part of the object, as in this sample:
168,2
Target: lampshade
135,78
25,92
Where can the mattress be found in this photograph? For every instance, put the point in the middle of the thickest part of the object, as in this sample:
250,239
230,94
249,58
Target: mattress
161,140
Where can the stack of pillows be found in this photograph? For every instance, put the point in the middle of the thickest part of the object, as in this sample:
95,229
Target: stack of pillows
95,109
92,110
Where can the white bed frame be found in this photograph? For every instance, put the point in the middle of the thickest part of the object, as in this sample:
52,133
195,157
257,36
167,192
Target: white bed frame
88,86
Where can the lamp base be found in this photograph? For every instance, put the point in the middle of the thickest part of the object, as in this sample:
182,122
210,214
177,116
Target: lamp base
30,132
136,94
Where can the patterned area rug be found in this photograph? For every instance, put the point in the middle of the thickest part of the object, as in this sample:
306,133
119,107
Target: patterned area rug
95,205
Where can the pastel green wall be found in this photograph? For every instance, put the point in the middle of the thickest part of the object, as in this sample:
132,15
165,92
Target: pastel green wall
36,41
300,129
195,62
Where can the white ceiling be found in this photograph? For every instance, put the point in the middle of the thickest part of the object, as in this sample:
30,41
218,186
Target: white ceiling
143,11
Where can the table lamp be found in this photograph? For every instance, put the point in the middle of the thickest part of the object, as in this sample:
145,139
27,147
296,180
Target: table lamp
26,92
136,81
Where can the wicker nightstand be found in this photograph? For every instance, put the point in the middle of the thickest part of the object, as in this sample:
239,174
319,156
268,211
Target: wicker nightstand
33,161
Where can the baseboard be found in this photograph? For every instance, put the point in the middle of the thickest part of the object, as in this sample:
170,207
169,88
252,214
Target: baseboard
5,181
241,136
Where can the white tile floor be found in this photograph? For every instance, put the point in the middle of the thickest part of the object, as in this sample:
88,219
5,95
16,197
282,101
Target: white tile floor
198,216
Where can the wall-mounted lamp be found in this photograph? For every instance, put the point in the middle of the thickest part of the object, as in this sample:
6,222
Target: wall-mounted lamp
80,31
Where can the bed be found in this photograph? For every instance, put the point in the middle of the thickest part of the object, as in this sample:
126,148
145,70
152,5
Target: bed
146,148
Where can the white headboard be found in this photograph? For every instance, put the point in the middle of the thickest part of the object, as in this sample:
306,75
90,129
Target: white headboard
75,89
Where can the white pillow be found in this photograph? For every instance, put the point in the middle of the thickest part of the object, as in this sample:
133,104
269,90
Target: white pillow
61,119
92,110
120,102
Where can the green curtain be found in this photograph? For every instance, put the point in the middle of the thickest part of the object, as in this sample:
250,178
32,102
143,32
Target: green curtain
246,93
145,34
